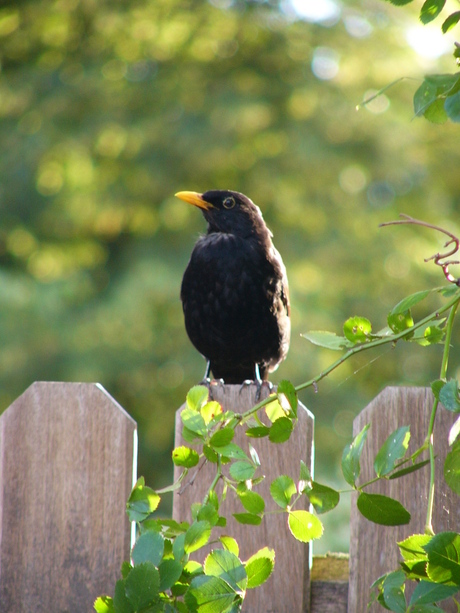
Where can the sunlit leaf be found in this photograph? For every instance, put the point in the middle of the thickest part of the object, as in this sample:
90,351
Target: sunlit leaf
304,526
357,329
184,456
259,567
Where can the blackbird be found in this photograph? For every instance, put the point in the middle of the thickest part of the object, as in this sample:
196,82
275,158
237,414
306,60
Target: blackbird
235,291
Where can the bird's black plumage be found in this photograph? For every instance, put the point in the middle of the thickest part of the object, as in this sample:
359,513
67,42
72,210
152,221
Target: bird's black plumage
234,291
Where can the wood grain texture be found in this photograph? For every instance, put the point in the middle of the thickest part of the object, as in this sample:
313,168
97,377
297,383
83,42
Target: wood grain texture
287,590
373,549
66,471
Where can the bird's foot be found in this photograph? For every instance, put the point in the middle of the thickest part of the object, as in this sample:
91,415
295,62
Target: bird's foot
210,384
259,385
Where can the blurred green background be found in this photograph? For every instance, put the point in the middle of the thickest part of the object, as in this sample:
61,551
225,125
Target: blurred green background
108,108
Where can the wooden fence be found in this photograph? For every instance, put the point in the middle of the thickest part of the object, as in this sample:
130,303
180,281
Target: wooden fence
67,464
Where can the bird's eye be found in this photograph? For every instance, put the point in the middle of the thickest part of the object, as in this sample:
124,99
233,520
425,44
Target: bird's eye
229,202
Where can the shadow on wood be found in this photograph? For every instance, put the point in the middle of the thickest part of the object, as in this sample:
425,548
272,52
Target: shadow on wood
66,470
287,590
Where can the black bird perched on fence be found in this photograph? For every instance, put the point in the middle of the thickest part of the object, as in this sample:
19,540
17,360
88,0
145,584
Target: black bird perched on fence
235,291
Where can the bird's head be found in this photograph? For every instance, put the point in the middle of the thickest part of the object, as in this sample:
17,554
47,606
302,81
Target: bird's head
227,211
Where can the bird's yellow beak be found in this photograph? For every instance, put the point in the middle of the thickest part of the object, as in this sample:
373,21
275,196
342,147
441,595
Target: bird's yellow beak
194,198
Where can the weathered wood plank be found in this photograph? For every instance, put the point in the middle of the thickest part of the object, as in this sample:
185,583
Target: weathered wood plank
373,549
66,470
283,591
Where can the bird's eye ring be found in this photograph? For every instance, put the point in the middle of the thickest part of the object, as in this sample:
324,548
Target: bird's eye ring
229,202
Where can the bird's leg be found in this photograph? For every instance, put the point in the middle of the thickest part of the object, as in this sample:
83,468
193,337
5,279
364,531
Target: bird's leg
207,382
257,381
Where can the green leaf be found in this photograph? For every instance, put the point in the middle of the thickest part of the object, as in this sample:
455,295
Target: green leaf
430,10
407,303
436,112
194,422
424,97
393,592
252,502
259,567
209,595
382,510
142,501
210,454
400,2
451,21
286,389
444,558
328,340
242,471
197,536
142,585
230,544
449,397
323,498
412,548
304,526
399,322
197,397
170,572
184,456
431,335
222,437
149,547
452,107
392,450
104,604
258,431
121,603
452,468
281,430
357,329
248,519
436,387
208,513
429,593
232,451
351,457
409,469
282,490
227,566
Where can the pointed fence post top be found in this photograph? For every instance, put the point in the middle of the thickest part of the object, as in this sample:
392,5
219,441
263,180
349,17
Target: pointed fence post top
68,455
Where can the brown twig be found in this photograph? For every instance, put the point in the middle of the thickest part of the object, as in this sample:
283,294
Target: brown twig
437,257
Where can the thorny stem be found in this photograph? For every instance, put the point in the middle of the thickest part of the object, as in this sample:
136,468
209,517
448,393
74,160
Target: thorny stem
437,257
430,434
353,351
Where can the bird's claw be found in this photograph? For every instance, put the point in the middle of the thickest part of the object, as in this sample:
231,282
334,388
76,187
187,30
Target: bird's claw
210,383
259,385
